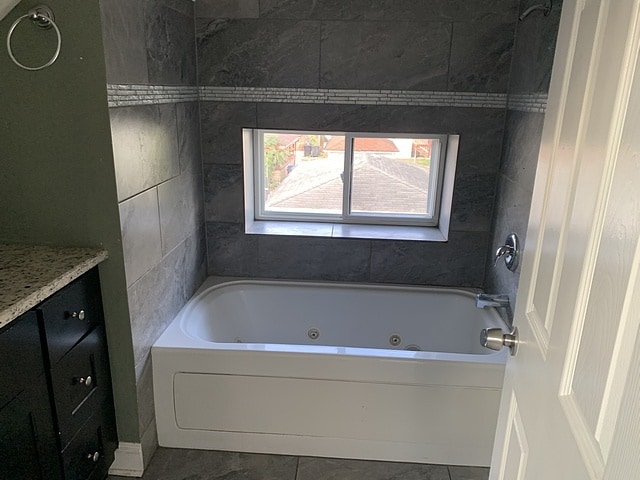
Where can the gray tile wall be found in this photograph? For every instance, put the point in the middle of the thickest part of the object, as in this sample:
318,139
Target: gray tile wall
158,170
530,77
416,45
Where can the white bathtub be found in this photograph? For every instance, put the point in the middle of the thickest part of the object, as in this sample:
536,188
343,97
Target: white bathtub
238,370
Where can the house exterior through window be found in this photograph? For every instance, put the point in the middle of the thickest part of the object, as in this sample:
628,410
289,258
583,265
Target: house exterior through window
346,177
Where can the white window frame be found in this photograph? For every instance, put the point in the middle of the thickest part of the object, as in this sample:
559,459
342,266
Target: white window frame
352,226
347,216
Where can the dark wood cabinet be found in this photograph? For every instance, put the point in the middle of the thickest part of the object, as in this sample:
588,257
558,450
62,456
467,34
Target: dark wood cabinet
28,440
56,405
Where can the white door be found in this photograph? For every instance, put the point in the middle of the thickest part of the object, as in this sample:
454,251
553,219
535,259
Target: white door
570,407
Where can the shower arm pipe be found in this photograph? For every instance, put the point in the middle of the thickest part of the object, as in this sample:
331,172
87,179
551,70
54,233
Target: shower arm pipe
546,9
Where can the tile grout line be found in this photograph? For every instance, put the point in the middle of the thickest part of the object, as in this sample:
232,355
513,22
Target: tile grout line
297,468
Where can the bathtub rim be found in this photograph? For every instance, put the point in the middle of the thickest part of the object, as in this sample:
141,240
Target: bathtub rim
176,335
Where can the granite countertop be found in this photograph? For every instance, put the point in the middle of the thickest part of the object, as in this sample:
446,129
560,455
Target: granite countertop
30,274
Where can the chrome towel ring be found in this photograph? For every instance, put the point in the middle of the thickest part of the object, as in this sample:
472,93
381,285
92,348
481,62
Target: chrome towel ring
41,17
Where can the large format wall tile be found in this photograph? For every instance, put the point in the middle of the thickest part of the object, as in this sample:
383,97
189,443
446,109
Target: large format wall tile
521,147
222,125
385,55
515,189
184,7
181,211
158,296
511,216
481,56
125,50
385,10
144,390
458,262
313,258
454,120
534,51
145,147
231,252
228,8
181,198
189,149
473,200
170,44
224,193
140,224
358,118
258,53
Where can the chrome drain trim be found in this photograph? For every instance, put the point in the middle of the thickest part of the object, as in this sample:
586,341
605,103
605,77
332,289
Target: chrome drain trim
395,340
313,333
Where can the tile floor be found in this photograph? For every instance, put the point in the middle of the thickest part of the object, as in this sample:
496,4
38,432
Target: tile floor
182,464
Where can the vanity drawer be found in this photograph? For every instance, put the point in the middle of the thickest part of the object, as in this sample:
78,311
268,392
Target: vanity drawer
80,382
71,314
84,458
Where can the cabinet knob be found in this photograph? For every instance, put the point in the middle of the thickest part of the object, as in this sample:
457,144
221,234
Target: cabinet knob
86,381
79,315
94,457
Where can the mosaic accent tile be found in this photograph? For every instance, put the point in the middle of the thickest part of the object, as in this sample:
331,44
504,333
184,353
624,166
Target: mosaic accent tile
129,95
133,95
354,97
528,102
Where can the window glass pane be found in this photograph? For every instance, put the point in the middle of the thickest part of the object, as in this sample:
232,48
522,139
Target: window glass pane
391,176
303,172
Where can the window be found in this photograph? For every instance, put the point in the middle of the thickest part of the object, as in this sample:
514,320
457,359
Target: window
345,178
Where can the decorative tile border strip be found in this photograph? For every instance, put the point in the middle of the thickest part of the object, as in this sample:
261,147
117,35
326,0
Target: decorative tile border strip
132,95
353,97
528,102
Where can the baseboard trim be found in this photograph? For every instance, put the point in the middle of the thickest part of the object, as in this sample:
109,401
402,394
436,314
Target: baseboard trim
129,461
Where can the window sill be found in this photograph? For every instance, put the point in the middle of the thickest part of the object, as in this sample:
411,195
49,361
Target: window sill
339,230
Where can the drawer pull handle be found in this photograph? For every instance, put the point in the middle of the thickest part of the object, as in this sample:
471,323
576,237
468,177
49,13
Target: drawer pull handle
79,315
86,381
94,457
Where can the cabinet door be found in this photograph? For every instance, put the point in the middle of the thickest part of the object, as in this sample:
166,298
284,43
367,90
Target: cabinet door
28,448
21,353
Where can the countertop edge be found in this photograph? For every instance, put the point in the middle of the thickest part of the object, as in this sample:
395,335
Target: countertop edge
60,281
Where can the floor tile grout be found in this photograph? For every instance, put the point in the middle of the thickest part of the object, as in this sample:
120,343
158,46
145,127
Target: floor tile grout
182,464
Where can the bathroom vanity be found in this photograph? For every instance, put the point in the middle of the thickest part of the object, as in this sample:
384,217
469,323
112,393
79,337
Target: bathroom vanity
56,405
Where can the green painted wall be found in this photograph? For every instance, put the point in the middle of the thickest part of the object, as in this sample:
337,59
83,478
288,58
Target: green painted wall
57,181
